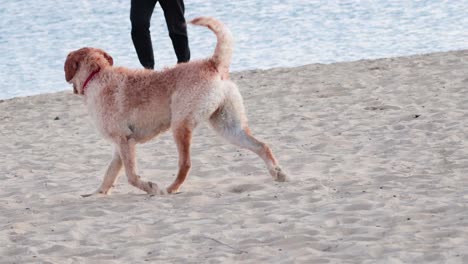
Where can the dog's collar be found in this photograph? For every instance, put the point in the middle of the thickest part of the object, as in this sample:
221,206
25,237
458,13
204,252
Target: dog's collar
90,77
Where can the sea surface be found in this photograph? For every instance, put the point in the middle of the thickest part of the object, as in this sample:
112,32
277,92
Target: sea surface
36,36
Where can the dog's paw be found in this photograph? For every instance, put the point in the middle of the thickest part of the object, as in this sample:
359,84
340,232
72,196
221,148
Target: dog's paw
154,189
280,175
173,189
96,193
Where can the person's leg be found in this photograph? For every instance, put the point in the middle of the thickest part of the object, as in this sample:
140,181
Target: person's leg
175,20
140,16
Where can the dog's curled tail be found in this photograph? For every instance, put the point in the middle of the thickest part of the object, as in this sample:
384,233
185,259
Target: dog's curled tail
223,52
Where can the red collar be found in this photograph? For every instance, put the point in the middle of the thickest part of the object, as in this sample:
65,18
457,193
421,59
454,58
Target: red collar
90,77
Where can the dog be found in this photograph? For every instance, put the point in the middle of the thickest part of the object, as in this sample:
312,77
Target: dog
133,106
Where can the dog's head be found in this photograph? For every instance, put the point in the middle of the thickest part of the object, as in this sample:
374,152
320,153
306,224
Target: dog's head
81,63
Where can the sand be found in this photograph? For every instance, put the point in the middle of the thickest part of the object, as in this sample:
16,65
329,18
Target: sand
376,151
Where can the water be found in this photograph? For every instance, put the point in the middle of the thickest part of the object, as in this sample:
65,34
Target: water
36,36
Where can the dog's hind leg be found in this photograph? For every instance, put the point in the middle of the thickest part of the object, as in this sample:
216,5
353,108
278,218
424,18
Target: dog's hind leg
127,153
230,122
111,175
183,136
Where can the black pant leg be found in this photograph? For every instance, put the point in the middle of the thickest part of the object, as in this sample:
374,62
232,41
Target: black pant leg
175,20
140,16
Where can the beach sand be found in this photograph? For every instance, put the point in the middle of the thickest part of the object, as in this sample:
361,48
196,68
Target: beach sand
376,151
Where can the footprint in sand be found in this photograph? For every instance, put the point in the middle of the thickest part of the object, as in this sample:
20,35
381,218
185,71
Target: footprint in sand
381,108
245,187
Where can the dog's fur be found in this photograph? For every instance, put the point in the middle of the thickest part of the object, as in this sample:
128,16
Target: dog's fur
134,106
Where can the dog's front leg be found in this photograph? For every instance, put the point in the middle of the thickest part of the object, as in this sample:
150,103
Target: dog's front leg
111,175
127,153
182,137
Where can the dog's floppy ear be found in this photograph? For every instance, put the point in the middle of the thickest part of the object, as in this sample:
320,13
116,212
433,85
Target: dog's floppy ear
71,64
108,57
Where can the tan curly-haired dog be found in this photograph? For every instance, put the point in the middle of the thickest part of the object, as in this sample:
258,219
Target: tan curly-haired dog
133,106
